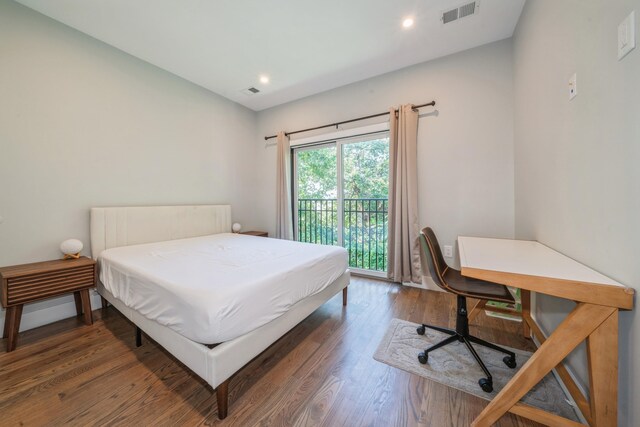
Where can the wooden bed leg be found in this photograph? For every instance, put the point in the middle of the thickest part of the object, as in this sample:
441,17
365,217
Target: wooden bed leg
138,337
105,303
344,296
222,395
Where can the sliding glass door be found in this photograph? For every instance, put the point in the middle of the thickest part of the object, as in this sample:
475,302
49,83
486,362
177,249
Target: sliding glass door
341,198
316,218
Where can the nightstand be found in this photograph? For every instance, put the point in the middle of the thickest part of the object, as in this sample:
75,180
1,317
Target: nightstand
255,233
23,284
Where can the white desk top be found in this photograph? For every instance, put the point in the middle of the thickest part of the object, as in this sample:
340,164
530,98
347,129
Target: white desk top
525,258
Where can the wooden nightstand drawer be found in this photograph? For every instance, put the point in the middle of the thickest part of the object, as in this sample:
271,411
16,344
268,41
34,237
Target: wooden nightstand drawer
256,233
39,280
40,286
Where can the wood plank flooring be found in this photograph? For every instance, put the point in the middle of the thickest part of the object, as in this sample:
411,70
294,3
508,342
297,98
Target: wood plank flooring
321,373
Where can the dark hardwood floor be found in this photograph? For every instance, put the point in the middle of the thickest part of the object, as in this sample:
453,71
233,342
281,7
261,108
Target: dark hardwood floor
320,373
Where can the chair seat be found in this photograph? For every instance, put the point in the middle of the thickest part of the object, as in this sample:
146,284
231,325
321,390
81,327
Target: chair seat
476,288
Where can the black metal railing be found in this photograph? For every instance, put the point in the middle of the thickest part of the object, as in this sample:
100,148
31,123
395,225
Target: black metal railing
364,223
365,232
318,221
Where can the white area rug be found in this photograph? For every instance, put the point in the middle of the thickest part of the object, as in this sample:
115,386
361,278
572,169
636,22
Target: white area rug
454,366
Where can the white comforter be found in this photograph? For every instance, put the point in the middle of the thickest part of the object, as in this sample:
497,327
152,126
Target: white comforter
215,288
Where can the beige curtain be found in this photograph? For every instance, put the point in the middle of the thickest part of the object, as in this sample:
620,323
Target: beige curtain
284,224
403,255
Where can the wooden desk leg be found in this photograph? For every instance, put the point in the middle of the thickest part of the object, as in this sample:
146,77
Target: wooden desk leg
525,299
577,326
477,308
86,306
602,353
78,301
12,326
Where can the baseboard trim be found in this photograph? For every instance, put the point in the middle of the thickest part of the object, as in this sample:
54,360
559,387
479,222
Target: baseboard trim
427,283
44,316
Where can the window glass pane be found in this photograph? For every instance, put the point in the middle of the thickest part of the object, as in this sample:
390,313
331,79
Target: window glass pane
366,169
317,173
317,187
366,188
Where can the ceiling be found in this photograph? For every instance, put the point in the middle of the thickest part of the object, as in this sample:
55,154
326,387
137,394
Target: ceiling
304,46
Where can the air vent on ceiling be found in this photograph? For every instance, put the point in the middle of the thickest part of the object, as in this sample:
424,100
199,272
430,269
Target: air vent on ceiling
449,16
250,91
460,12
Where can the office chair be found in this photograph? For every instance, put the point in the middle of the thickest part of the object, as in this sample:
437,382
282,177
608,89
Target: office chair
453,281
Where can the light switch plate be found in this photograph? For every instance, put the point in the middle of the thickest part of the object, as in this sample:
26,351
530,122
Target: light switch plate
573,86
627,35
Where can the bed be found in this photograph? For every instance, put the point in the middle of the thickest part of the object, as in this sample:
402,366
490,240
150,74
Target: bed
181,277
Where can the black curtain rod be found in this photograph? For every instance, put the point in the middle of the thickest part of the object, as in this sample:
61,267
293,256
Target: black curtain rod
431,104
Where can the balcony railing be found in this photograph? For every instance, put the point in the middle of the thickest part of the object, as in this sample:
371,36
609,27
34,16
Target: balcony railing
364,225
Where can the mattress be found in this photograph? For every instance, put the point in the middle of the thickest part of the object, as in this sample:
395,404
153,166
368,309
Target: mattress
215,288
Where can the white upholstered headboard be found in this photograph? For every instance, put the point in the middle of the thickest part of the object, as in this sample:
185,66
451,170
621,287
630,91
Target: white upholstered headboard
124,226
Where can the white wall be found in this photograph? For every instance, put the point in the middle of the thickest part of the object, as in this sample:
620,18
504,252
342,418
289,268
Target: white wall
576,162
465,152
83,124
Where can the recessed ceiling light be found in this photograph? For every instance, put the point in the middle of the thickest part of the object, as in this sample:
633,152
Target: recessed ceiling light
264,79
407,23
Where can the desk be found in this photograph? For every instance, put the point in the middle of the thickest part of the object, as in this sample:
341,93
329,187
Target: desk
533,267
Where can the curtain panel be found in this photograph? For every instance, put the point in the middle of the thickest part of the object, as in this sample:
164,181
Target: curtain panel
404,229
284,221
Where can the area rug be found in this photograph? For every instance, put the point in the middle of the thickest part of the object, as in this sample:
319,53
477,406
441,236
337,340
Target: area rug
455,367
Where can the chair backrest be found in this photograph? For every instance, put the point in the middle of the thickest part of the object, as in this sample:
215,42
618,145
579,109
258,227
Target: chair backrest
431,257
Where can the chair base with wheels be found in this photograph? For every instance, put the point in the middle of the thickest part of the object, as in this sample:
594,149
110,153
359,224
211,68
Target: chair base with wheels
461,334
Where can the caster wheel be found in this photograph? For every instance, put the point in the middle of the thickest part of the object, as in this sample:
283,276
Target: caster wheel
423,358
486,385
510,361
420,330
